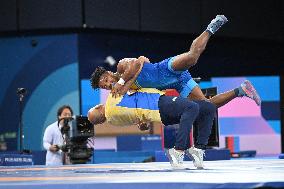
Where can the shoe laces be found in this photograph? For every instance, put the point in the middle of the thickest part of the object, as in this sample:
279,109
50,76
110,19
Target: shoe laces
203,153
180,156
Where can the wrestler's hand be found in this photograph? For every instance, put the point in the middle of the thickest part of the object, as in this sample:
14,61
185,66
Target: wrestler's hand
120,91
123,90
143,59
143,126
116,90
127,60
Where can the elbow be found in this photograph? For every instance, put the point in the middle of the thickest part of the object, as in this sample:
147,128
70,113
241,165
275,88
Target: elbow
46,145
193,58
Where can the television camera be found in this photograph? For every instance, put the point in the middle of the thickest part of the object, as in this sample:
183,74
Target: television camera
77,131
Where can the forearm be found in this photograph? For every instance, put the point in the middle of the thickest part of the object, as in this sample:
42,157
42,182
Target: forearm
46,145
130,82
129,73
127,68
47,139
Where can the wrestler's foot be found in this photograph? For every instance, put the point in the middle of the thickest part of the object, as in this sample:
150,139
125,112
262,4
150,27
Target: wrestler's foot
216,23
168,156
176,158
196,155
247,89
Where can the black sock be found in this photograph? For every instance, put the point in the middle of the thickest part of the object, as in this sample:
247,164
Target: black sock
236,90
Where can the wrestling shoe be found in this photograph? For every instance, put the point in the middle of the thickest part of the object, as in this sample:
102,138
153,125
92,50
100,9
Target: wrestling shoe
168,156
196,155
176,158
249,91
216,23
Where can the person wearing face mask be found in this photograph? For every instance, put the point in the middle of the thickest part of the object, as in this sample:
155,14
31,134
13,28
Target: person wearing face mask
53,138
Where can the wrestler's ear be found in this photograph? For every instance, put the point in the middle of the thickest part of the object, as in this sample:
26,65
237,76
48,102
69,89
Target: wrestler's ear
97,106
91,115
109,73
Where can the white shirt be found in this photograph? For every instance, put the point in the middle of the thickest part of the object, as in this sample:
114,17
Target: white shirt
53,136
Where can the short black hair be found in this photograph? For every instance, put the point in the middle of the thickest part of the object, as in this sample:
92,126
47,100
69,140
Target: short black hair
95,77
60,110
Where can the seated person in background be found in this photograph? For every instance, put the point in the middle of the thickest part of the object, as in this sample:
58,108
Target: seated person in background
146,106
171,73
53,138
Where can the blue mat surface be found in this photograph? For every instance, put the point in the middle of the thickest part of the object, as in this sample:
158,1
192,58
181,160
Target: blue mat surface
239,173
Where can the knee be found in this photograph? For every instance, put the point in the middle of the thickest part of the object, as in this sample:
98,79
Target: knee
193,57
193,108
190,58
209,108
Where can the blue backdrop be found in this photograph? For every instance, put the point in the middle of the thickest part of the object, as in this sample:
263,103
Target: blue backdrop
47,66
51,67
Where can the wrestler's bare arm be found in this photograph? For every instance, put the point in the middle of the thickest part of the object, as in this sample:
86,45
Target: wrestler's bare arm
129,71
143,59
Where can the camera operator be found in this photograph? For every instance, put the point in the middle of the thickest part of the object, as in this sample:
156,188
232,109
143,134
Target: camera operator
54,139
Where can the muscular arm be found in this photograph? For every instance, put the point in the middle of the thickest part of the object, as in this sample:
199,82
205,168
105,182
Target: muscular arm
129,69
129,83
143,59
140,61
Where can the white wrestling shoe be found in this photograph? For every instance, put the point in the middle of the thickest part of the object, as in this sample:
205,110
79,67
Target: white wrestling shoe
176,158
249,91
169,156
216,23
196,155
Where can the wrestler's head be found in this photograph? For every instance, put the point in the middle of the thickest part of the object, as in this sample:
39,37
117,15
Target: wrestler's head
101,78
96,115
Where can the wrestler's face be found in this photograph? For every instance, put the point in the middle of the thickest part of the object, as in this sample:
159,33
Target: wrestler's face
107,80
96,115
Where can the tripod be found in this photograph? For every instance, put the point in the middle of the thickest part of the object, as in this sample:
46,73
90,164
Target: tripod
21,93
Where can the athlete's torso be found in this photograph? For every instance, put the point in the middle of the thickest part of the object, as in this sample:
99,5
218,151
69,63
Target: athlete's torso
130,109
158,76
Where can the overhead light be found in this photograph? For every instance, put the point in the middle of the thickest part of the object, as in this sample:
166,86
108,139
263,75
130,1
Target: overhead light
110,61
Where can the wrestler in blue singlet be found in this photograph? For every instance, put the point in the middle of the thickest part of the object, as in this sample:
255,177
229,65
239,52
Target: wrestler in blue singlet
161,76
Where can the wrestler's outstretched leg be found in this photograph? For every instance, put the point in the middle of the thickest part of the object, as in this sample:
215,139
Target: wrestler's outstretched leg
184,61
245,89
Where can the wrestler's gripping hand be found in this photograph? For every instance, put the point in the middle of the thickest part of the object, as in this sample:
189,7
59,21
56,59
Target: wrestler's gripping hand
143,59
119,90
116,90
143,126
